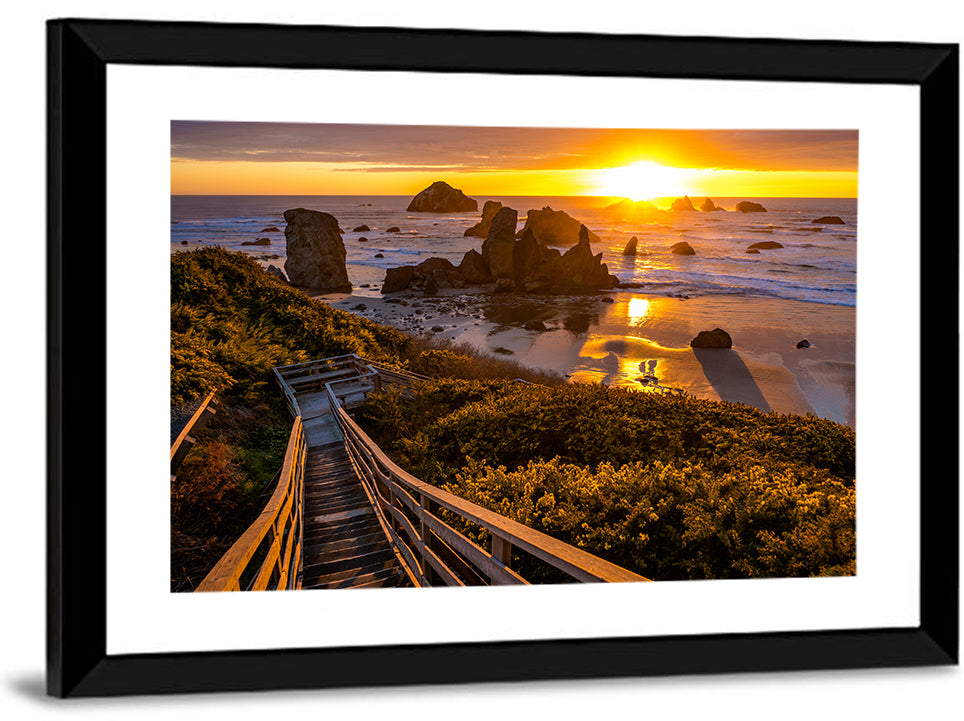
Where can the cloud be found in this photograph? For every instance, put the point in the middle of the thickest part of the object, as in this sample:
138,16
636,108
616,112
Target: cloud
395,148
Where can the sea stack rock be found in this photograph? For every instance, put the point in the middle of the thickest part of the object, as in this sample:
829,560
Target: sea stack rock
538,268
765,245
497,250
555,228
397,279
683,203
276,272
630,248
438,272
481,229
746,206
626,208
682,248
474,269
316,253
709,206
716,338
581,269
828,220
440,197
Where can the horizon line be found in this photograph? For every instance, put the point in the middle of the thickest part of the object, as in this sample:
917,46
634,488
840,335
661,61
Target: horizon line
492,195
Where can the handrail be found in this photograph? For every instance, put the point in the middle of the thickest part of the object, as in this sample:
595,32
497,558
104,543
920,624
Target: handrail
288,393
436,551
280,523
185,441
406,507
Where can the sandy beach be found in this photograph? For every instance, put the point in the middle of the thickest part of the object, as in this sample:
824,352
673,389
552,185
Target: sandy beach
625,338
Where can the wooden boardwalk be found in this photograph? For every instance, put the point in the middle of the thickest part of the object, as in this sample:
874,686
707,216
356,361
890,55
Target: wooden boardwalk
345,516
344,544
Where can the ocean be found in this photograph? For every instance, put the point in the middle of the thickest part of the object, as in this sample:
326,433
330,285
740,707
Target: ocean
817,263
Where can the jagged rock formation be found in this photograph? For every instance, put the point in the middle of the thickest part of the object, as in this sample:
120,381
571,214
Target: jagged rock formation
497,248
474,269
397,279
439,271
316,253
683,203
626,208
555,228
709,206
746,206
630,248
526,263
481,229
440,197
276,272
581,269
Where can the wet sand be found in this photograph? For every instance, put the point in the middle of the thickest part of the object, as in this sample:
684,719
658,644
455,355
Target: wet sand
624,338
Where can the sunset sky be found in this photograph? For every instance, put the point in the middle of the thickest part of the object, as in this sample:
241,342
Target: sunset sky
225,158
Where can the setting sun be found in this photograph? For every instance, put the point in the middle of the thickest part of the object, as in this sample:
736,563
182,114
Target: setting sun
643,180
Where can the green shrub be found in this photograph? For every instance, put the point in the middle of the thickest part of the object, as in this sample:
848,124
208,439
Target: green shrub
510,424
672,521
231,323
671,487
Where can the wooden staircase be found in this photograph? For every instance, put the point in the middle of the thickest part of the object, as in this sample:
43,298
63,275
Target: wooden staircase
344,545
345,516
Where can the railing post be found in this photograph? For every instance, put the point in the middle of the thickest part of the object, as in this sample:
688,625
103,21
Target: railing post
393,500
426,534
501,550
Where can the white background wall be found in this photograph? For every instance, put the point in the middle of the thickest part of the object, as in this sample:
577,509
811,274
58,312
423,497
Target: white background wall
916,693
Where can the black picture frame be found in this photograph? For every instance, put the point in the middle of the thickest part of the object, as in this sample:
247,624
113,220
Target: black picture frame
79,52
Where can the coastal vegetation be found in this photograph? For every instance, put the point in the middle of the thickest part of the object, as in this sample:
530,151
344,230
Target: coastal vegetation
231,322
671,487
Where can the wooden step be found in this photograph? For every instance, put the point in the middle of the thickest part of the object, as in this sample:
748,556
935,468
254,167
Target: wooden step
358,559
314,577
338,534
343,544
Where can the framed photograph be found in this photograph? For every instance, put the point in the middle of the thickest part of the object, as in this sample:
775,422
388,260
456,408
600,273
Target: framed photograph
488,356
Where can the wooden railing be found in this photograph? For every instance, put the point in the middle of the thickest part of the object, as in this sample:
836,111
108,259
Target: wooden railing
409,510
185,441
313,375
274,540
436,552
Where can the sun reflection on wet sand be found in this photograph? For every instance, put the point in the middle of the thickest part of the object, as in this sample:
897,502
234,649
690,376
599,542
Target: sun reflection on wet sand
624,361
637,309
639,342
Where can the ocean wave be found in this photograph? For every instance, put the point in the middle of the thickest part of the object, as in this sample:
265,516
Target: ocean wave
401,251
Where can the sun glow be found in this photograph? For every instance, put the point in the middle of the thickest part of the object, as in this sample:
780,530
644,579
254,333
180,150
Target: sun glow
644,180
638,310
